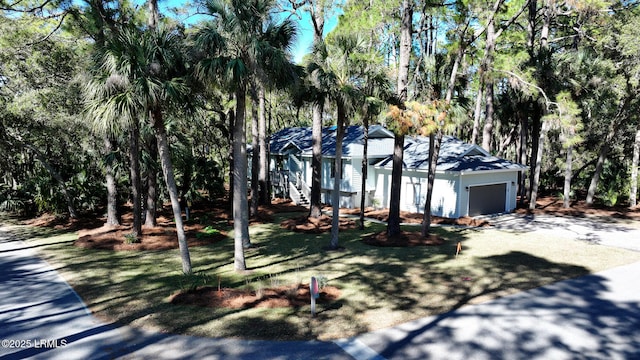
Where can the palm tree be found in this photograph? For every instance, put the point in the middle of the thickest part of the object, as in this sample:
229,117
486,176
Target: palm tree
147,75
336,73
111,113
237,48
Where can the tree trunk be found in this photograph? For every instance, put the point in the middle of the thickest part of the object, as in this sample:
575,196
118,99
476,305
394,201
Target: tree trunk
134,174
152,184
263,181
567,177
478,108
536,173
112,189
232,122
633,188
167,170
240,206
406,32
316,161
522,155
536,126
335,194
393,225
435,141
255,153
434,152
187,176
315,207
365,169
487,133
154,15
593,185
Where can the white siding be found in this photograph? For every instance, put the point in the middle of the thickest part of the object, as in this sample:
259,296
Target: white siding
326,182
347,175
444,199
356,174
371,178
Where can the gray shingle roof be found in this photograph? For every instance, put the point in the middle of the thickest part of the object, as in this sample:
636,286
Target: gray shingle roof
455,155
380,141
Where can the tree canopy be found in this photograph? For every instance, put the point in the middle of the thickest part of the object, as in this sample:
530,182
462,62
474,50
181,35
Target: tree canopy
552,85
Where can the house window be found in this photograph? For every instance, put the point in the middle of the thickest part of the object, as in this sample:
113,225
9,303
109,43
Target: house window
333,168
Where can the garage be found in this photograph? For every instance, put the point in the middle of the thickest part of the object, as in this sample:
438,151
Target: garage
487,199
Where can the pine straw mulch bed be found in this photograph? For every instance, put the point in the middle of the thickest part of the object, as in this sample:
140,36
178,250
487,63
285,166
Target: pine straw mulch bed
274,297
554,206
305,224
93,233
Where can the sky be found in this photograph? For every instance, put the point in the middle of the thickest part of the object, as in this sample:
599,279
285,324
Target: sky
305,28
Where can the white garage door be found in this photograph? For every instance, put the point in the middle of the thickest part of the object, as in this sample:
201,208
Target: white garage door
487,199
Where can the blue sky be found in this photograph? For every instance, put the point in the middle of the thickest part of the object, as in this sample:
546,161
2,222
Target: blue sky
305,35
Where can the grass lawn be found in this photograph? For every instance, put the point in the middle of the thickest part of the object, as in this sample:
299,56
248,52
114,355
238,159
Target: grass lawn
380,287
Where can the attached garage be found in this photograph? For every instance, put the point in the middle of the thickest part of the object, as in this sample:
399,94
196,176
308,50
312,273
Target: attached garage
487,199
469,181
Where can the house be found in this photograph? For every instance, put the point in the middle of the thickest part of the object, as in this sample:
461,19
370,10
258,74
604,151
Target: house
469,181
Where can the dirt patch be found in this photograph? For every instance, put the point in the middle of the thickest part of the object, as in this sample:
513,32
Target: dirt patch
65,223
162,237
282,296
579,208
315,225
404,239
94,234
415,218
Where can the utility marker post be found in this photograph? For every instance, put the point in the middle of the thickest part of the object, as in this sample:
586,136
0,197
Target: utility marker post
314,291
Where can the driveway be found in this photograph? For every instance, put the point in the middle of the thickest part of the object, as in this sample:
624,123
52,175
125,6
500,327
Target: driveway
593,230
592,317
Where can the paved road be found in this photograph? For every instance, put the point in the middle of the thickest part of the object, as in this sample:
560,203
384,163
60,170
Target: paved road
592,317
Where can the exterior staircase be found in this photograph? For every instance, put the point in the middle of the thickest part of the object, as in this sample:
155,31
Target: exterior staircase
297,195
303,200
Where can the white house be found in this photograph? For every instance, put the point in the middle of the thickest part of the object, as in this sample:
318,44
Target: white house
469,181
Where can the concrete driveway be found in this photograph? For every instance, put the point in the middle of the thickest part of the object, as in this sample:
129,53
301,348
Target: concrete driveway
593,230
592,317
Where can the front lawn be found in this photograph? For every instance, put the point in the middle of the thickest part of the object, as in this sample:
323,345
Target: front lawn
380,286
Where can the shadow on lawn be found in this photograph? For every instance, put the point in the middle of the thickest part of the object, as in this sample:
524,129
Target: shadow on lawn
568,319
411,281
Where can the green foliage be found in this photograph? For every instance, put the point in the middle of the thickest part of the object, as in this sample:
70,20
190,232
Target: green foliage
191,282
131,238
323,281
14,201
207,231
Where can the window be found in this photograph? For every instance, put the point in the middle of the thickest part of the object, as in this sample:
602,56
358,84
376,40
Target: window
333,168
